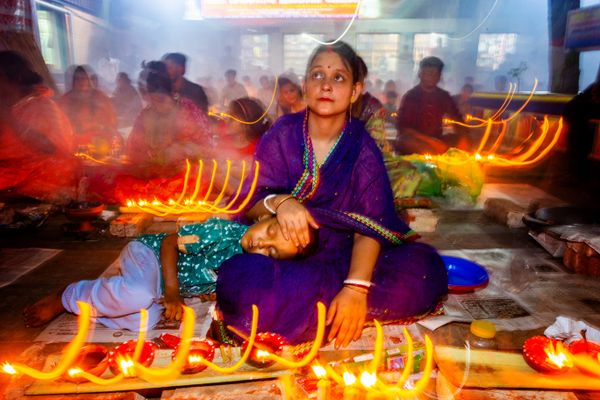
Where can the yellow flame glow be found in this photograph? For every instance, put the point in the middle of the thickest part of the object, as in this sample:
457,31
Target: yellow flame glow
558,355
349,378
368,379
319,371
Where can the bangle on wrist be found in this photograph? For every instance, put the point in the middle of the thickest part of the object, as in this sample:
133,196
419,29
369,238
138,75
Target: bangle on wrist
358,282
286,198
266,204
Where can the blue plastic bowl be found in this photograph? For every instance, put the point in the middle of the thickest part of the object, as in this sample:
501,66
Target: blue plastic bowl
464,275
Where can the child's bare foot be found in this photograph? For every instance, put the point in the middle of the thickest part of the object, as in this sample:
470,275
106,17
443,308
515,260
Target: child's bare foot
44,311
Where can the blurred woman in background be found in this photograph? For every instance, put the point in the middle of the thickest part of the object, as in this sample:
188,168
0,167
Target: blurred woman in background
36,140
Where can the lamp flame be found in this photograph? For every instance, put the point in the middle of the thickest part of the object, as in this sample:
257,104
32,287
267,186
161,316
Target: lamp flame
558,355
368,379
319,371
349,378
9,369
262,354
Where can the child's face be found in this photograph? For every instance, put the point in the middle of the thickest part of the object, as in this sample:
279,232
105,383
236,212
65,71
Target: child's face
265,237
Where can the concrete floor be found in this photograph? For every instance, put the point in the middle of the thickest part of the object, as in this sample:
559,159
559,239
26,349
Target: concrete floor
87,259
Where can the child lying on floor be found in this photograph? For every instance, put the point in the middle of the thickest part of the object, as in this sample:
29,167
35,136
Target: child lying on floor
188,264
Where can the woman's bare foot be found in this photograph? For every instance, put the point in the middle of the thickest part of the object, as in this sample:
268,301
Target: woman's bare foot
44,311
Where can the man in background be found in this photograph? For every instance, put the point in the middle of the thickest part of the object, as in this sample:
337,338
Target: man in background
422,111
176,63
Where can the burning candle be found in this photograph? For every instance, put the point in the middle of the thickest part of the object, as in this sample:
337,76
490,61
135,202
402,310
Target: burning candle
351,392
323,385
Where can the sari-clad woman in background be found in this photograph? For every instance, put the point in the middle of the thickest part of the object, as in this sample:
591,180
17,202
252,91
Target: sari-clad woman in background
36,140
167,131
91,113
322,158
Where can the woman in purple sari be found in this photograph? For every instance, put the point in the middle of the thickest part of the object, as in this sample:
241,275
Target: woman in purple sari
321,169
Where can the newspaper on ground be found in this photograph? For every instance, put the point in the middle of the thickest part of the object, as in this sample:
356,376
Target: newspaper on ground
528,289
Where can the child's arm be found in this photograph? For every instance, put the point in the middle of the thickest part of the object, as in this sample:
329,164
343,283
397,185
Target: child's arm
169,255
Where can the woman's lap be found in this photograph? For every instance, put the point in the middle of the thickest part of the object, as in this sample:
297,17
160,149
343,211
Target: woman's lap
409,280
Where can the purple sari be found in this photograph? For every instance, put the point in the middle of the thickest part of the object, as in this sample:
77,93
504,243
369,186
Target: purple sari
351,194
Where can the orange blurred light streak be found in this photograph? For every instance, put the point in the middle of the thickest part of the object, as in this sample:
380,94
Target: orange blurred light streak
499,138
173,370
70,354
538,142
198,180
409,360
508,162
190,205
87,156
512,88
225,115
421,384
315,347
486,135
139,346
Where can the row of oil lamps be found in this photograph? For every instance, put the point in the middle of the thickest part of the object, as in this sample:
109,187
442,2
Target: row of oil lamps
134,358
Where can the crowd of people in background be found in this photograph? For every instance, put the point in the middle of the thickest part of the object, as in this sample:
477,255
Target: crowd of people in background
160,118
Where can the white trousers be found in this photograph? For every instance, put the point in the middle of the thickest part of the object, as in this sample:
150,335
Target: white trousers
117,300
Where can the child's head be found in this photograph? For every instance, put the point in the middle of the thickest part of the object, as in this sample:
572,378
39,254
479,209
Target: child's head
265,237
333,79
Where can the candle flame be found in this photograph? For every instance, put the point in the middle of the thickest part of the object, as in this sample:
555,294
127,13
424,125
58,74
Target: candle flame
349,378
368,379
9,369
319,371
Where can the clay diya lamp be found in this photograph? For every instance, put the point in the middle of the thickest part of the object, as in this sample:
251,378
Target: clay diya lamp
584,347
264,344
546,355
120,358
199,349
84,213
92,359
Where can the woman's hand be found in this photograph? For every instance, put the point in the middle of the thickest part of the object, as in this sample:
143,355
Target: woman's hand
346,315
294,220
173,304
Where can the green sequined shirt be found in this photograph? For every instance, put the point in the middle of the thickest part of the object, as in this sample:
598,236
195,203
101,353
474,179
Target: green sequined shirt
202,250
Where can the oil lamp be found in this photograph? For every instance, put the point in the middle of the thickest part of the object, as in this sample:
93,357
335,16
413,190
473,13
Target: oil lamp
199,349
120,359
265,344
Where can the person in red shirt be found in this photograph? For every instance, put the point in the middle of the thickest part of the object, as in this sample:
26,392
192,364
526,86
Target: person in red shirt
422,111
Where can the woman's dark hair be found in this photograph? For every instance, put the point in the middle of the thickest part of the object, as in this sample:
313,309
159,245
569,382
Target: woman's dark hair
249,109
154,78
349,57
80,70
363,70
17,70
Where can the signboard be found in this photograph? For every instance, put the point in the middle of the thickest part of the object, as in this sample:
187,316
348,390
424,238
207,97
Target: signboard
583,29
255,9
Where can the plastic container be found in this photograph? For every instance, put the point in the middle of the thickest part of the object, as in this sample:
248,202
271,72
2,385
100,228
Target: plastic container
482,335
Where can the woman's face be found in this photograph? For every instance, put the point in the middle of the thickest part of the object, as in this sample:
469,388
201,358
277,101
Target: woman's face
289,95
81,82
328,86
